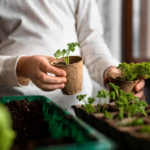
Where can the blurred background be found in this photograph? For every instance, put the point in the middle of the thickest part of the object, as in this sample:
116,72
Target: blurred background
126,26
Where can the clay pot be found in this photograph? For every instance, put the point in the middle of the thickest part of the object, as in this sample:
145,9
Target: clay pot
74,73
126,86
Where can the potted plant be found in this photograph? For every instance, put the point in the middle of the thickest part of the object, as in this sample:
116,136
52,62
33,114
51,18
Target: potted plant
7,135
116,120
130,75
73,65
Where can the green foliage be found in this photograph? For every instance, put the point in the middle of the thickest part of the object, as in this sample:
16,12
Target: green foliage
127,103
88,106
120,114
108,115
101,94
131,71
135,122
138,121
116,88
145,129
7,135
65,52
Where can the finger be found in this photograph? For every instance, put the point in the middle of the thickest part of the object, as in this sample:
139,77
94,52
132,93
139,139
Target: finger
49,87
140,85
139,94
46,67
106,80
44,78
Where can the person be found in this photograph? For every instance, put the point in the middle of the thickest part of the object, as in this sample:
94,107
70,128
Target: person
31,32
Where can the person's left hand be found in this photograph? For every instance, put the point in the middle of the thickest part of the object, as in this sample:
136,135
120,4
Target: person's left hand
139,87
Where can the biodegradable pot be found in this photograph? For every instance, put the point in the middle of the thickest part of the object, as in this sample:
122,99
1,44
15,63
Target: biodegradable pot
126,86
74,73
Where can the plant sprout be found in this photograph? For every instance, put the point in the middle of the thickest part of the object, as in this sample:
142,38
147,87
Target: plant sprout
108,115
88,104
65,52
101,94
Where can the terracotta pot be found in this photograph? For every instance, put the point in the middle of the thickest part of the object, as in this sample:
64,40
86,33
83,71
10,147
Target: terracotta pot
74,73
126,86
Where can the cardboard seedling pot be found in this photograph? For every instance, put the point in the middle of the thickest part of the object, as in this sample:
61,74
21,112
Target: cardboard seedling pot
126,86
73,74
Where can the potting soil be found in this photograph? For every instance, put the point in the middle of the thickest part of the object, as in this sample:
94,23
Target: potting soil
32,130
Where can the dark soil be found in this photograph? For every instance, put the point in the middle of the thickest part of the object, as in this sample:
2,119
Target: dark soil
60,63
32,130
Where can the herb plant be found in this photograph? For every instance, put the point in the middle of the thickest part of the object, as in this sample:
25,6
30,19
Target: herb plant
108,115
88,106
101,94
65,52
131,71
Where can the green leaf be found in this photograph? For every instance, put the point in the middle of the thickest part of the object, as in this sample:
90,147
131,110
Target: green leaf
7,135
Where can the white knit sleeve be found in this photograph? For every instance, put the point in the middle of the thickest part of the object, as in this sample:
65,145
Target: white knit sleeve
8,75
97,57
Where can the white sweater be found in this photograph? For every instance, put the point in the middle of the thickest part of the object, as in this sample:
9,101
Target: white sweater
40,27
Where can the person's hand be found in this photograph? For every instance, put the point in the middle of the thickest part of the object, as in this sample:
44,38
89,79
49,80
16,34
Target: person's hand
139,87
36,68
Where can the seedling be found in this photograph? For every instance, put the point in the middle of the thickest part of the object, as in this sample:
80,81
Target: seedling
7,135
88,106
65,52
134,122
108,115
116,89
102,94
131,71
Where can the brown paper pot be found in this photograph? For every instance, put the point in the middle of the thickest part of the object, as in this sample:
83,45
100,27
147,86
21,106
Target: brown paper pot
74,74
126,86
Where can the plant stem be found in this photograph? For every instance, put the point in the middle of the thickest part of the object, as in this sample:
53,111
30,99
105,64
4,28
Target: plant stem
99,104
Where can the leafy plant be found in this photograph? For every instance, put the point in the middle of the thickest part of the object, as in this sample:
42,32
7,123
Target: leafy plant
88,106
138,121
102,94
134,122
7,135
65,52
120,114
131,71
108,115
116,89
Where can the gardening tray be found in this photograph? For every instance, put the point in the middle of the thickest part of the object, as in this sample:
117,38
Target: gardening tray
125,138
64,125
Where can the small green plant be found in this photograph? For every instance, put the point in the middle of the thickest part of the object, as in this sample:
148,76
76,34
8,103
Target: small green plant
102,94
135,122
7,135
65,52
88,106
131,71
108,115
120,114
116,89
145,129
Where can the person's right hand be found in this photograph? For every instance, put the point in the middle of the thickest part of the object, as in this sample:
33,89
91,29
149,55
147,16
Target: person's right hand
36,68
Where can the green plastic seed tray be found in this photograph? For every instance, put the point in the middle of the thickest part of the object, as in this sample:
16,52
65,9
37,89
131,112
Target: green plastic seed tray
62,124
